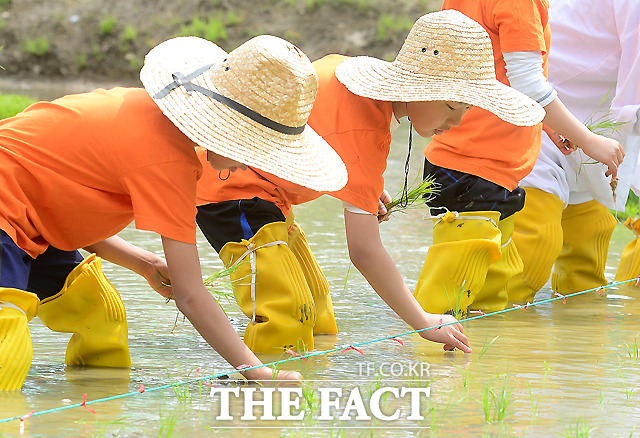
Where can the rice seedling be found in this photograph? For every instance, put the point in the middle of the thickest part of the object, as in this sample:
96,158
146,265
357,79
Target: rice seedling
534,405
628,391
455,305
168,423
465,375
486,346
495,403
632,350
310,397
417,381
581,429
601,122
182,393
416,197
439,412
220,284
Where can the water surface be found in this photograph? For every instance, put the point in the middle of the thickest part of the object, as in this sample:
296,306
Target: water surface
560,369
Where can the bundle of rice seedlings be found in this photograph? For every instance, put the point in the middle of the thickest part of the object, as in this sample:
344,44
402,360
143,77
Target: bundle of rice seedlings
600,122
220,284
417,197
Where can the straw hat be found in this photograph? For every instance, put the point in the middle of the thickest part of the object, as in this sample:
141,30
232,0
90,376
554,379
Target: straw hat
446,56
251,105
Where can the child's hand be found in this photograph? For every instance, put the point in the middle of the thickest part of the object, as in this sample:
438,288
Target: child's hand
451,335
383,214
564,144
157,275
605,150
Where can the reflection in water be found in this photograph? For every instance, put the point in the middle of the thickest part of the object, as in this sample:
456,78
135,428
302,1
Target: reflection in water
554,367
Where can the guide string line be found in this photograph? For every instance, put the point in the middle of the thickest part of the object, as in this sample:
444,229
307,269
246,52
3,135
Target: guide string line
557,296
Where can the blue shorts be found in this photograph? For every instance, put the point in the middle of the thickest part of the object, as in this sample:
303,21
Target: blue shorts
45,275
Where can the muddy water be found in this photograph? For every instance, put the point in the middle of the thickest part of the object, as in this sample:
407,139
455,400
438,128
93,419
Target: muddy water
553,369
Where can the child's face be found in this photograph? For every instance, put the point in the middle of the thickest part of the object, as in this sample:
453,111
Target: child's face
432,118
218,162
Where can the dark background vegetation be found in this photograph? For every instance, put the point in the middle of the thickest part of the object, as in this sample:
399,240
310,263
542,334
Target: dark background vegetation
107,39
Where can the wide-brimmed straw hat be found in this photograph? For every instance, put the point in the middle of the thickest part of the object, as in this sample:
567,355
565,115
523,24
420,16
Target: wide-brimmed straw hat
250,105
446,56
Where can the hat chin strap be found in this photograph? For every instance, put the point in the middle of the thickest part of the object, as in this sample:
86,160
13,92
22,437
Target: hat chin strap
180,80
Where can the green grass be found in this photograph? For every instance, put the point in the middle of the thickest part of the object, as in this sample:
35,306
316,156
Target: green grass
37,46
630,208
391,25
12,104
108,25
213,28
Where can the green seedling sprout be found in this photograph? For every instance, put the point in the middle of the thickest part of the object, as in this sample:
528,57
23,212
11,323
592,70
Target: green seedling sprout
581,429
632,350
486,346
415,198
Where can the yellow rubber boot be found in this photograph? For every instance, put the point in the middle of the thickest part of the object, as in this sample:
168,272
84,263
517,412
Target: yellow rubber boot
493,295
317,281
538,236
587,230
271,289
91,308
629,266
455,268
17,308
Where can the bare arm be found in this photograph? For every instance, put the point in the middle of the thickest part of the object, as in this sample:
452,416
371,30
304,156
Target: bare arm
602,149
372,260
197,304
145,263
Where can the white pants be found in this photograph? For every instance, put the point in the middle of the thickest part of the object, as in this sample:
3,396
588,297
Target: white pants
571,179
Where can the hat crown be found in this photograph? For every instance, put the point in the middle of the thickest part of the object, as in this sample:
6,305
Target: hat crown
270,76
450,45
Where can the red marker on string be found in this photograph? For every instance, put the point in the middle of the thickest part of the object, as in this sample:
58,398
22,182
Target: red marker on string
637,280
84,404
480,312
558,294
141,390
293,353
22,419
398,341
351,347
440,326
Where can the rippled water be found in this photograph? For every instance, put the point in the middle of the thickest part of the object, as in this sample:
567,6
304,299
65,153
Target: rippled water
560,369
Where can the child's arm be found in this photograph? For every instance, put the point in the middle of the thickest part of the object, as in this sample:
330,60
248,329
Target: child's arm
142,262
372,260
197,304
602,149
525,73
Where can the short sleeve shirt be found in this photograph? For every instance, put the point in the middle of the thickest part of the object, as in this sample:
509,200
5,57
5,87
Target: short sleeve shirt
484,145
357,128
79,169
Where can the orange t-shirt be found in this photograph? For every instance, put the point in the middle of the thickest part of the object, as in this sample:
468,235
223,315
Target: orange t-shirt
357,128
79,169
484,145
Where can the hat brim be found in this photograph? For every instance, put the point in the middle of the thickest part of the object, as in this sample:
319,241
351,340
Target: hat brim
305,159
382,80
